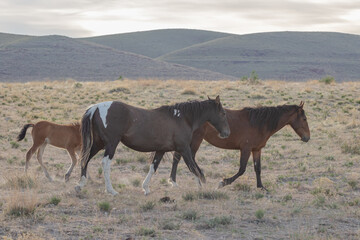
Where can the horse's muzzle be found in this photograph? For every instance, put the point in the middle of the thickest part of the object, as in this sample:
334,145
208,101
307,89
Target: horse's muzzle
224,134
305,139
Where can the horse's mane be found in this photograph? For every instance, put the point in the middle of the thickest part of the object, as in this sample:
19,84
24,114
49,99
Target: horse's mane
192,109
268,116
75,124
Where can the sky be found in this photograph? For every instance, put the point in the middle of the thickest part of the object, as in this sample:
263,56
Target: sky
84,18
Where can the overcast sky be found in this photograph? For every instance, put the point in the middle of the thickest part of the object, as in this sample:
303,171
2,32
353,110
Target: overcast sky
81,18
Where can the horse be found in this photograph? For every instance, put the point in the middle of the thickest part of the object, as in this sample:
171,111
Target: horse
160,130
250,129
62,136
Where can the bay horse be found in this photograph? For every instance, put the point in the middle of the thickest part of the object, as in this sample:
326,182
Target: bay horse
62,136
250,129
160,130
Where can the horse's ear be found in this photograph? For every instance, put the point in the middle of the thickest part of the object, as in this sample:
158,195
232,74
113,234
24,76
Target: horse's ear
301,104
208,97
217,99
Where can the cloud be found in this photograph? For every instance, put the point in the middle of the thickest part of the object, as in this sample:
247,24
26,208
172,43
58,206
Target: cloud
92,17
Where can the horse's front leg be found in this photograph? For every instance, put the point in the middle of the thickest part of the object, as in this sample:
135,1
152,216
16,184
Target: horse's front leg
192,165
196,141
176,159
245,154
153,167
257,168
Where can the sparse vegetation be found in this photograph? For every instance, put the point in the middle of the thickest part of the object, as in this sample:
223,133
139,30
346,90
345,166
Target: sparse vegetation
21,204
215,222
314,180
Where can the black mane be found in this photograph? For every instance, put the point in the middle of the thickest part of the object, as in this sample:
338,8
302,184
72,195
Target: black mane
191,109
268,116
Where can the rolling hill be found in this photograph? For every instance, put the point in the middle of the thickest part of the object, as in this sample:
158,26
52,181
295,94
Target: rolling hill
181,54
59,57
157,42
277,55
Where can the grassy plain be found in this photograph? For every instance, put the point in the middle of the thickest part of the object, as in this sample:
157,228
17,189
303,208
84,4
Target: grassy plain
314,187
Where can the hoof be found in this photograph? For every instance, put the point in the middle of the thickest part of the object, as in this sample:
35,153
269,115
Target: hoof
173,184
78,189
112,192
146,191
67,178
221,184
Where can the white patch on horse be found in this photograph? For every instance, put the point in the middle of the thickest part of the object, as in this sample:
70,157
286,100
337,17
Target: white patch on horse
106,166
103,110
176,112
147,180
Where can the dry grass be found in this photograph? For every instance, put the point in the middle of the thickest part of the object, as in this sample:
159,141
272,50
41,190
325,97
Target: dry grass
314,187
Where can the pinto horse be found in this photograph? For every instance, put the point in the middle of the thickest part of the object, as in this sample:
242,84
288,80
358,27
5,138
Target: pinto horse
164,129
250,129
61,136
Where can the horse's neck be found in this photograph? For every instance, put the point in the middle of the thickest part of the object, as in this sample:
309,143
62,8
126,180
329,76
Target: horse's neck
198,122
283,121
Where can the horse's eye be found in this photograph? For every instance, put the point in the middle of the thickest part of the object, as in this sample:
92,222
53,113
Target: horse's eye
304,119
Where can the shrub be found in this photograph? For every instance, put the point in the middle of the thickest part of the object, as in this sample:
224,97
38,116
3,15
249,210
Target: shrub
120,89
21,204
328,80
146,232
55,200
259,214
169,225
217,221
21,182
136,182
287,197
148,206
104,206
189,215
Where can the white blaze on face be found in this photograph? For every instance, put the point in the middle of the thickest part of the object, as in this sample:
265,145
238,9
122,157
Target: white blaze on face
103,110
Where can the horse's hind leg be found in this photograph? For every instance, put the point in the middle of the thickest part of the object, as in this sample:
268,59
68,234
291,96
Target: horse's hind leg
39,157
106,162
153,167
245,154
30,153
73,163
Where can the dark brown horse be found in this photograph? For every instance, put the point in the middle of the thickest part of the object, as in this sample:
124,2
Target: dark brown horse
250,130
61,136
168,128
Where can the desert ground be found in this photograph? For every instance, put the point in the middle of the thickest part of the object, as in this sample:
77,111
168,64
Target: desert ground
314,190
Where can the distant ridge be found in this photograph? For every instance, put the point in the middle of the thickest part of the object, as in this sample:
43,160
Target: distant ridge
58,57
181,54
278,55
157,42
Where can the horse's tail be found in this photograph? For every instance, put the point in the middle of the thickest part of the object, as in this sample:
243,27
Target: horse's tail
87,138
22,133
